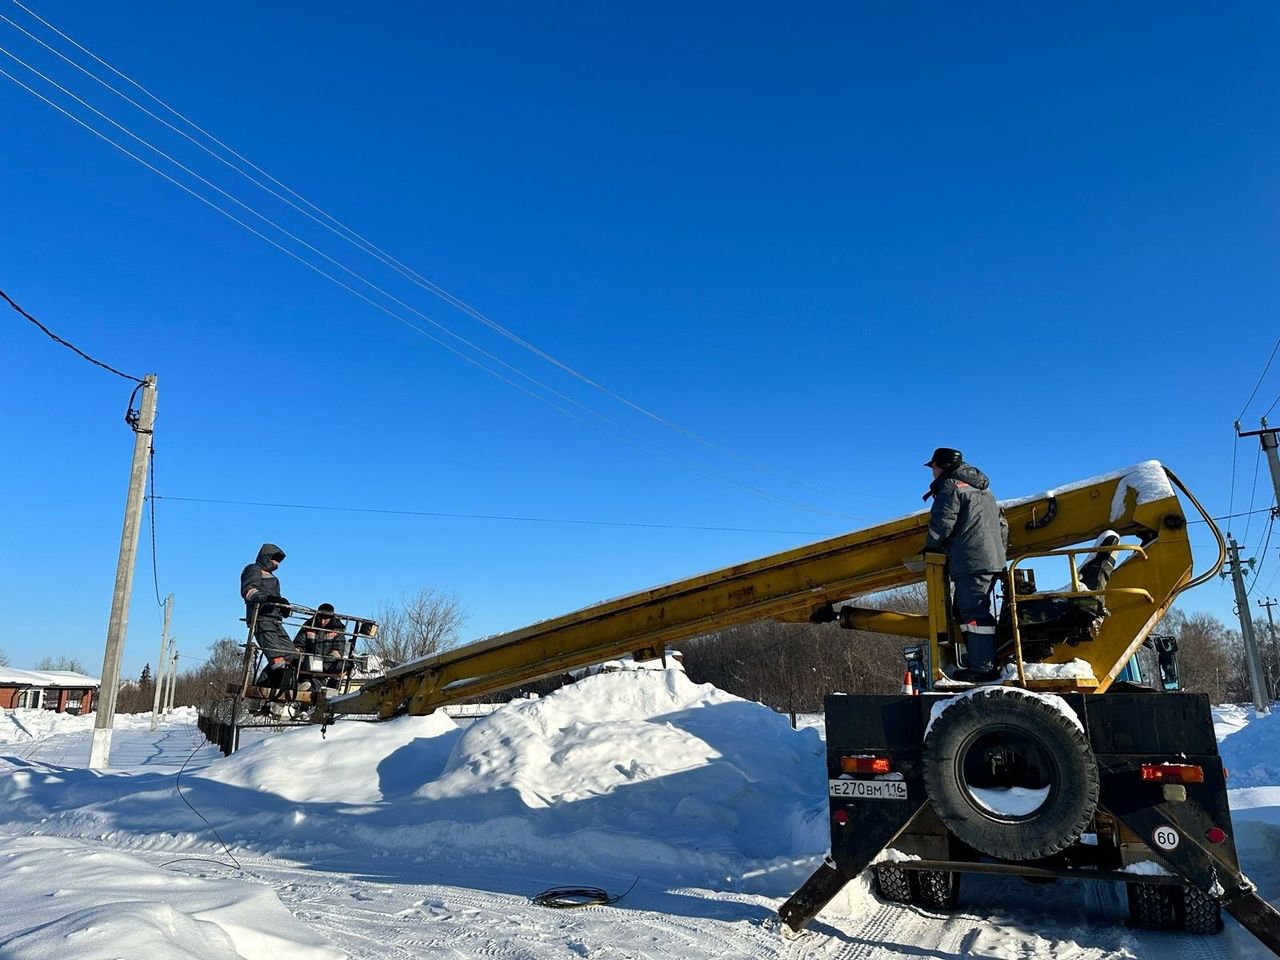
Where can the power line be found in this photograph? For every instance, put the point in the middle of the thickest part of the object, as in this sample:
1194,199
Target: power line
1272,407
1253,495
642,445
1230,516
1260,379
70,346
349,235
647,447
1262,559
493,516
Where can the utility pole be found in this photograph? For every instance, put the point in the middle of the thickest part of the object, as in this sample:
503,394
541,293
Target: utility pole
1275,648
1270,447
1253,663
158,681
173,679
164,676
117,626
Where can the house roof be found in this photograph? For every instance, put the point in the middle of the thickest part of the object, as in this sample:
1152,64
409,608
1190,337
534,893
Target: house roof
46,678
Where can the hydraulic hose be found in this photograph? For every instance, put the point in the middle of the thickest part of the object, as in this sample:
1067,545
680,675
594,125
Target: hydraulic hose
1222,543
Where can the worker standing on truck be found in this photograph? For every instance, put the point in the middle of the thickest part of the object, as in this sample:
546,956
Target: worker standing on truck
260,589
968,526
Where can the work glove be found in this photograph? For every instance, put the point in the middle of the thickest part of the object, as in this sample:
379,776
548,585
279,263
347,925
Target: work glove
283,605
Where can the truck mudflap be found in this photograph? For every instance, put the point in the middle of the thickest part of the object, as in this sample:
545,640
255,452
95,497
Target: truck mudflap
1186,828
830,878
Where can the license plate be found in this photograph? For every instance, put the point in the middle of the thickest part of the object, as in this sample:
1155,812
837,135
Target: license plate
869,789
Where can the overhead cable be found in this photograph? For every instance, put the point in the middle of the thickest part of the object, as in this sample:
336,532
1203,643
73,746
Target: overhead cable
494,516
1262,558
1260,379
645,446
1253,496
1229,516
349,235
66,343
641,444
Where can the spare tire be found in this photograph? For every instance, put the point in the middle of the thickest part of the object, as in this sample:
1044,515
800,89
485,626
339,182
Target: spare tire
1010,773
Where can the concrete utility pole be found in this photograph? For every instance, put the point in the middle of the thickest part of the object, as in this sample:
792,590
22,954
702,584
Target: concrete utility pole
157,680
1270,447
164,676
1253,663
117,626
1275,649
173,680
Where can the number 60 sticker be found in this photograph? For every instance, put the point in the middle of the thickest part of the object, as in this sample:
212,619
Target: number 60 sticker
1165,837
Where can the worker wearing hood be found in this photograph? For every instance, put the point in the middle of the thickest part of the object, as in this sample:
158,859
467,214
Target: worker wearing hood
260,589
967,525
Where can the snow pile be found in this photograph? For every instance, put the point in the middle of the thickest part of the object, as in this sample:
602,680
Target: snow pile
21,725
1071,670
17,726
61,898
1252,753
943,703
1229,718
349,762
1147,480
640,772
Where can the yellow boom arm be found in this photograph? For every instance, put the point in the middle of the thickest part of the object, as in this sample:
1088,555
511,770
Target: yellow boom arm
802,583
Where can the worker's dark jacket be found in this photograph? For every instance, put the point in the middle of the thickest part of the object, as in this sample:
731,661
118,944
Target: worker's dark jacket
321,638
966,523
257,584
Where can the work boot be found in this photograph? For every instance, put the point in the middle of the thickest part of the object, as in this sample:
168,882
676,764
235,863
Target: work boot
976,674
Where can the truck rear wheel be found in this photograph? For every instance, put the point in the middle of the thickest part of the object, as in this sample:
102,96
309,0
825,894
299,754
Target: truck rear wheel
936,888
1151,905
1199,913
893,883
1010,773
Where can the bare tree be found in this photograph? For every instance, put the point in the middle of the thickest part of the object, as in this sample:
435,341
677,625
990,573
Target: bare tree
417,625
793,666
1206,663
4,659
61,663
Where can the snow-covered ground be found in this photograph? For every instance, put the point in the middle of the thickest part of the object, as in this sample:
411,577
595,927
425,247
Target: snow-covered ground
419,837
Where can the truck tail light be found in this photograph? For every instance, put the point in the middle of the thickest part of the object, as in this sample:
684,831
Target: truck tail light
1215,835
1172,773
864,763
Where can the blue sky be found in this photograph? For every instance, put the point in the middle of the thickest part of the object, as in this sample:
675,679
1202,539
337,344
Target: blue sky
827,238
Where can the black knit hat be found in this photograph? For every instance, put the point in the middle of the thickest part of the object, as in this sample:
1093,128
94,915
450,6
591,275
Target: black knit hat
325,608
944,458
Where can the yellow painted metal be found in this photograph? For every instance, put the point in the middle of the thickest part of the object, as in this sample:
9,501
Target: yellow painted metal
794,583
914,625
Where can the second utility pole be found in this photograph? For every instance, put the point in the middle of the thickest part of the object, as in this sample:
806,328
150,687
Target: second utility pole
1253,663
1275,649
157,681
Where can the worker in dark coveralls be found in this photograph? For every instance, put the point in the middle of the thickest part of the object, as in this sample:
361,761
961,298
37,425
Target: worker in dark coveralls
323,636
966,524
261,592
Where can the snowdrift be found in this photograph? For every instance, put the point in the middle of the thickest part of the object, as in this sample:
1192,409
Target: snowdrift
62,898
636,773
1251,754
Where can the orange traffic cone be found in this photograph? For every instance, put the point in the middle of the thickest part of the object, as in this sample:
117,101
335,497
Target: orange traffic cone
907,687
